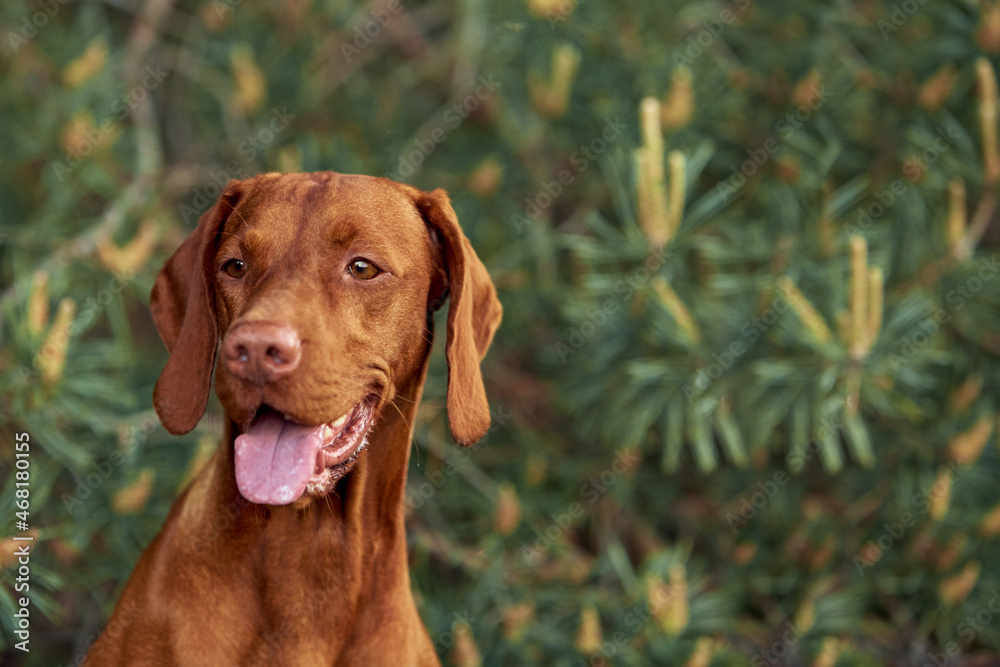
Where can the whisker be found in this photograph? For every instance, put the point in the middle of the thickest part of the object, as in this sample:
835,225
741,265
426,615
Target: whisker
244,222
393,404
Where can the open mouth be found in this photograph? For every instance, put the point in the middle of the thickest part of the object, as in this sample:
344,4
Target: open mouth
277,459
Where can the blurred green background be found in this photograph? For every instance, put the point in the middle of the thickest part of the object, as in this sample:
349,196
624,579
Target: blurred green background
746,389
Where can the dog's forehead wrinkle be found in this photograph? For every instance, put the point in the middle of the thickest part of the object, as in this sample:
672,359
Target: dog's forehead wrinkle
259,243
372,200
312,214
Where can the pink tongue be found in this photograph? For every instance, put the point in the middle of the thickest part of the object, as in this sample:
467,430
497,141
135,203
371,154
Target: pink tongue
275,459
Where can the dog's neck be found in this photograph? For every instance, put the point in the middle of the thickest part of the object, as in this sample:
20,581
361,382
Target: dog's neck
354,564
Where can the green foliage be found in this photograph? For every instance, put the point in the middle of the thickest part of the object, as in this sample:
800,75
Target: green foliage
706,449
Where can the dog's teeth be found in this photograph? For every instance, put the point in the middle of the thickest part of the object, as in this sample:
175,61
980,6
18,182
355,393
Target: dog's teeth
340,421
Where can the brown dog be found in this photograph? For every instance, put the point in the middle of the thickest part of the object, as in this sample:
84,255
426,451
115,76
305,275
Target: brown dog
289,547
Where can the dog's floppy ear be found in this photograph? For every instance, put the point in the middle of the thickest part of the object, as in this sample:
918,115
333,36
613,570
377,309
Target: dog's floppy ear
183,308
473,317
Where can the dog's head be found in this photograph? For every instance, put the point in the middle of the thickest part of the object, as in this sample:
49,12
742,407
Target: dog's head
317,291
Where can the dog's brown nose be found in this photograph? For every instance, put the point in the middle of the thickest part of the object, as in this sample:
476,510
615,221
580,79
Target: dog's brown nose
261,351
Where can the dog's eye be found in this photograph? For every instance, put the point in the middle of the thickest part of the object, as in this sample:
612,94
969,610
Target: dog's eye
235,268
362,269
